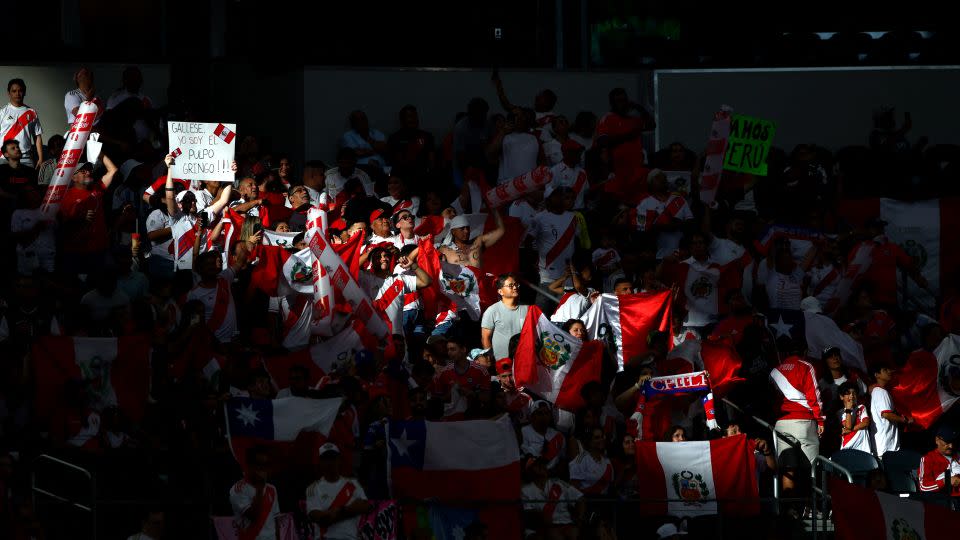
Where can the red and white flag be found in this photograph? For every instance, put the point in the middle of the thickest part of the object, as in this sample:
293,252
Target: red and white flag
341,280
860,513
75,142
929,384
115,372
281,239
921,229
553,364
629,319
518,187
224,133
698,478
716,148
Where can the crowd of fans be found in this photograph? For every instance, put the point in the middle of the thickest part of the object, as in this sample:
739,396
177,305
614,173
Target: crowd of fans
133,251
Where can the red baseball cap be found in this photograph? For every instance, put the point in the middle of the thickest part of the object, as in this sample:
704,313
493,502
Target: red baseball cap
570,144
376,214
504,365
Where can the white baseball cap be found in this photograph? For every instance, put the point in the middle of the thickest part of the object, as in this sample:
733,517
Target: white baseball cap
328,448
668,530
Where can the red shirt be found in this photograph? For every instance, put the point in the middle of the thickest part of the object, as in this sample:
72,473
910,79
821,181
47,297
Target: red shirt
80,235
627,156
474,378
733,326
887,257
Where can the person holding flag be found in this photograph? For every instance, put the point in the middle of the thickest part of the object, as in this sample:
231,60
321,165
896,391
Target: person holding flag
187,221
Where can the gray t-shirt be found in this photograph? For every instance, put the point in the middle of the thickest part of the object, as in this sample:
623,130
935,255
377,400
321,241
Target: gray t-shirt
505,323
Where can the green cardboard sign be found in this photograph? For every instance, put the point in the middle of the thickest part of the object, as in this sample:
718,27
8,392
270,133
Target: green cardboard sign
748,144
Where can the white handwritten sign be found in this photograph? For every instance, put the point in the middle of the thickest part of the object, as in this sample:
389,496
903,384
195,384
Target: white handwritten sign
203,151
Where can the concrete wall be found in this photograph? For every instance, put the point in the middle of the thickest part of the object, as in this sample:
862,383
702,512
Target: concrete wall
330,94
46,86
831,107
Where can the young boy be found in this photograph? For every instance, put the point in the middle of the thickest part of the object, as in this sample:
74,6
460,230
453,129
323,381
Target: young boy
854,421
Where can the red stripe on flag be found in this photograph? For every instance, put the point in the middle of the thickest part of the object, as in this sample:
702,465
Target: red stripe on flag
856,512
586,367
735,475
653,492
916,393
224,133
639,315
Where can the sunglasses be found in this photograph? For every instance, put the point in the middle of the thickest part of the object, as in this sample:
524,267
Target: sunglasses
405,217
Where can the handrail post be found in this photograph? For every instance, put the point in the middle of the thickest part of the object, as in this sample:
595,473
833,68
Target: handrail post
34,490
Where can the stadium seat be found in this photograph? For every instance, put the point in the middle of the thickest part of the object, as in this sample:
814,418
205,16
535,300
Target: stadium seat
857,462
901,468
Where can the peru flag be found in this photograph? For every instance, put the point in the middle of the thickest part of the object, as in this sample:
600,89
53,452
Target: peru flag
919,228
459,463
859,512
698,478
553,364
225,133
629,319
276,423
929,384
115,371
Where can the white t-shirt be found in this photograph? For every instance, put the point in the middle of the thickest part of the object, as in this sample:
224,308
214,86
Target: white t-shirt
561,514
299,334
552,445
518,155
522,210
26,137
650,208
336,181
321,494
552,151
565,176
208,296
122,94
73,99
390,291
886,434
182,229
547,230
589,471
158,219
723,250
241,496
829,290
43,248
101,307
857,440
784,291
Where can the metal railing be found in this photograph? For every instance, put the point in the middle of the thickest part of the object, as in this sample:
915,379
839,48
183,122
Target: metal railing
777,438
35,489
826,466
